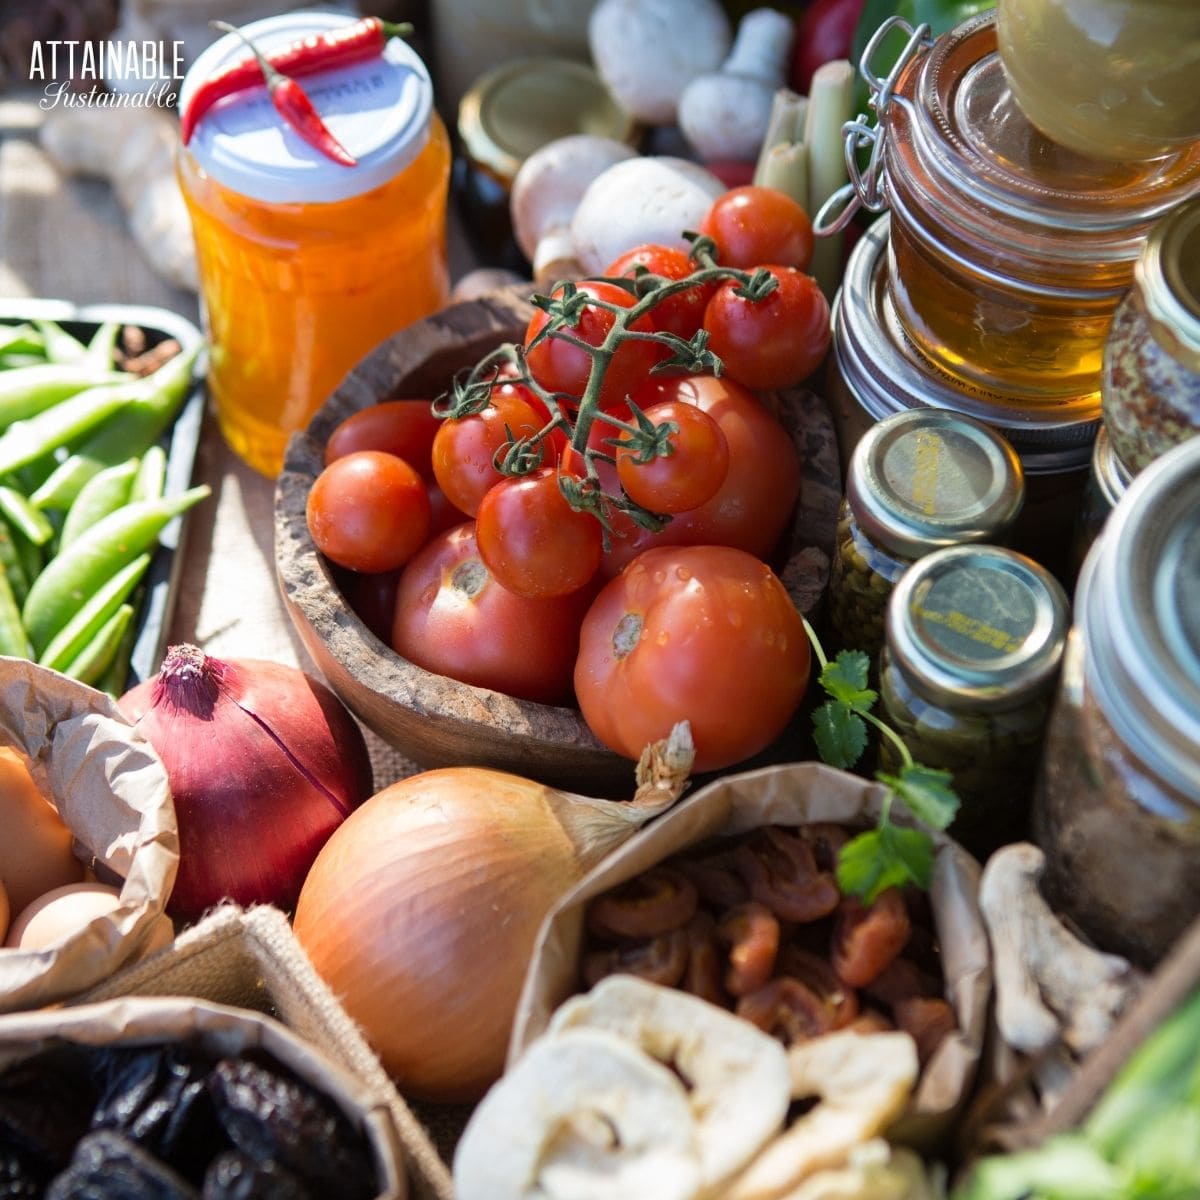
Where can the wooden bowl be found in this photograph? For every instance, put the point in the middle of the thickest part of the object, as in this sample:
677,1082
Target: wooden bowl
434,720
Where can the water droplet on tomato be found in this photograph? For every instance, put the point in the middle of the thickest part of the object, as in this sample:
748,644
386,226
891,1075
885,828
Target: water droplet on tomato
682,574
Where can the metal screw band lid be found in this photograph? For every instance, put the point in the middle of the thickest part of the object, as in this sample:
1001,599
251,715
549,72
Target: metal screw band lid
979,625
926,478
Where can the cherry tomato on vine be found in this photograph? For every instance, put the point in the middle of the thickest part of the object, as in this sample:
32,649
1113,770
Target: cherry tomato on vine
689,474
682,313
706,633
753,506
465,447
368,511
405,428
557,441
533,541
753,225
452,617
775,342
560,366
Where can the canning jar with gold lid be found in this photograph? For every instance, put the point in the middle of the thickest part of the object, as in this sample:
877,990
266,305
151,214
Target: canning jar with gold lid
919,480
975,636
1117,805
1008,253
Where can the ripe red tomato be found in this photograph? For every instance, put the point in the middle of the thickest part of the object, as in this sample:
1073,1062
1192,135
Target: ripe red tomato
464,448
453,618
705,633
368,511
560,366
753,506
687,476
533,541
754,225
775,342
682,313
405,428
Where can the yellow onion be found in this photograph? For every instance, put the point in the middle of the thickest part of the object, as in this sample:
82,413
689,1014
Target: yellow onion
422,909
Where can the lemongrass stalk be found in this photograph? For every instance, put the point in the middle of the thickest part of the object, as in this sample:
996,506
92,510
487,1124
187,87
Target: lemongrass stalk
830,106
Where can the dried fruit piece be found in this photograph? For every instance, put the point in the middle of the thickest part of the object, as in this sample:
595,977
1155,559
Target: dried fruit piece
868,938
45,1107
662,959
702,977
813,971
18,1178
781,872
787,1009
656,901
235,1176
109,1166
716,878
928,1020
751,931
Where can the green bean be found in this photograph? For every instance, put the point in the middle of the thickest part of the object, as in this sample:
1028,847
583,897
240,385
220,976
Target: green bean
12,633
21,339
70,577
102,494
27,391
22,516
92,614
61,346
92,664
130,433
150,481
14,568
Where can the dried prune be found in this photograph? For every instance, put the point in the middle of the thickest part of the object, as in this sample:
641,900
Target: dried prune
109,1166
45,1107
236,1176
269,1115
19,1179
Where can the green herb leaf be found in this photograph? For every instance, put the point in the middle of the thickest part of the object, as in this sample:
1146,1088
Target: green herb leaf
846,677
927,793
889,856
840,734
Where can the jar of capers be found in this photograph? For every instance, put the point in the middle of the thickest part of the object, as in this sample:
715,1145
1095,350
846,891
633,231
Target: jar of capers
975,635
917,481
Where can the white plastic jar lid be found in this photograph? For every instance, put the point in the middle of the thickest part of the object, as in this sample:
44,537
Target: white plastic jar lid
380,110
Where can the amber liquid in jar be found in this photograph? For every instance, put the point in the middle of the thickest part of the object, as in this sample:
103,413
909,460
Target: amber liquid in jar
296,294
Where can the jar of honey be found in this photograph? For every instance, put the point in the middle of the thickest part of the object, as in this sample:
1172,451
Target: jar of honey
1117,802
306,265
1009,253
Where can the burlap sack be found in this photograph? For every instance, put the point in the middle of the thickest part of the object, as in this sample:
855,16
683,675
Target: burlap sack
792,794
111,790
250,959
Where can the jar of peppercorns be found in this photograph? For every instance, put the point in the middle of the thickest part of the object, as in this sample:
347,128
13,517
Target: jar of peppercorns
975,635
917,481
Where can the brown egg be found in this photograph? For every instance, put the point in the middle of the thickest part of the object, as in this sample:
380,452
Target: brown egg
59,914
35,848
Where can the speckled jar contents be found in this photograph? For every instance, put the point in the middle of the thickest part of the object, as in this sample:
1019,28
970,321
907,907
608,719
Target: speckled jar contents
1117,803
975,636
1150,390
917,481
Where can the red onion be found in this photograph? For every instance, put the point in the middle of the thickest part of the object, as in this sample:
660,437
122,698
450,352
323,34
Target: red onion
264,764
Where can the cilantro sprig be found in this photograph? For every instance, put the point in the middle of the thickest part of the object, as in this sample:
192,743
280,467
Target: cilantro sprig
889,855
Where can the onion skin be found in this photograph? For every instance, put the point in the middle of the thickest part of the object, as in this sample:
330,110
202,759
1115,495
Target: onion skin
264,764
421,913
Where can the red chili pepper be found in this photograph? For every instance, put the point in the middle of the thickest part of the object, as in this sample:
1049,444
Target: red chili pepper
292,103
319,52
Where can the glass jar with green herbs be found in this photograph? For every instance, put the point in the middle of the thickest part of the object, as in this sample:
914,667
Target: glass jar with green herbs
917,481
975,635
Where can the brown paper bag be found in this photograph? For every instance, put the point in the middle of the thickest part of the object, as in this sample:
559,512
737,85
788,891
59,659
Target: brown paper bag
111,790
793,794
250,959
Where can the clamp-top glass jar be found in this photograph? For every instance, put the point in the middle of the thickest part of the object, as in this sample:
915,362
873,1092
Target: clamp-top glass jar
1008,253
1117,805
975,635
918,480
306,265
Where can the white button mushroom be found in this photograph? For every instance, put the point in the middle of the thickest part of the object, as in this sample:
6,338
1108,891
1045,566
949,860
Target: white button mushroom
547,190
643,200
648,51
724,115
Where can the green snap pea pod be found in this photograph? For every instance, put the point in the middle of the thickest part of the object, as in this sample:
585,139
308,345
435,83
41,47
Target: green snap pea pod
92,664
99,353
27,391
29,521
61,346
115,680
151,479
97,554
102,494
30,554
21,339
12,633
14,568
130,433
92,614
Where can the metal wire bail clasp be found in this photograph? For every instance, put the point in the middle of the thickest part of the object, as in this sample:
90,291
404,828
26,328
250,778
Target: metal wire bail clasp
865,189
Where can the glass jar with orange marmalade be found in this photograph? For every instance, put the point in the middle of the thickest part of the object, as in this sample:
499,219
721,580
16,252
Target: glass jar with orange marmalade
1008,253
306,265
